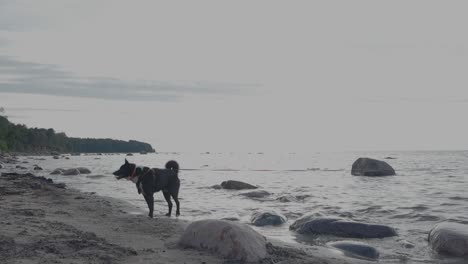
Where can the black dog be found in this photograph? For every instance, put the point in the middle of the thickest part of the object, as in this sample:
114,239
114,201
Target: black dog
153,180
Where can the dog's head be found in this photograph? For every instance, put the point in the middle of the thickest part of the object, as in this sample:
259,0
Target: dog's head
125,170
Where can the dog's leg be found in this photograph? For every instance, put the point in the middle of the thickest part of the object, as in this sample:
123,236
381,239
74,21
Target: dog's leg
176,199
167,196
147,191
147,202
150,201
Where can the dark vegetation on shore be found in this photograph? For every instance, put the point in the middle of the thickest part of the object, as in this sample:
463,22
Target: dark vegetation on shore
19,138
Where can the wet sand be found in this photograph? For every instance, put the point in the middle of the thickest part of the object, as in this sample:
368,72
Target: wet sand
44,222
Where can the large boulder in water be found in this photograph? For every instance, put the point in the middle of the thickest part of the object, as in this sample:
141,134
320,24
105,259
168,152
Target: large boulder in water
71,172
371,167
313,225
449,238
237,185
267,218
231,240
356,249
84,170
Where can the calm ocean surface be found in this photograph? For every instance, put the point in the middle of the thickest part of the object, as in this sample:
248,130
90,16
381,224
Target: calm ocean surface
430,187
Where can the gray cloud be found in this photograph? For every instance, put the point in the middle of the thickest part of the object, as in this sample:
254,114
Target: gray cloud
27,77
3,42
27,109
19,16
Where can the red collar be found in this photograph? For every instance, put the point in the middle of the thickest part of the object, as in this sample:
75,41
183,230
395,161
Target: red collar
133,173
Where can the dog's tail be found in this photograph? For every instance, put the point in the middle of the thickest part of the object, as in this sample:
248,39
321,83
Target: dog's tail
172,165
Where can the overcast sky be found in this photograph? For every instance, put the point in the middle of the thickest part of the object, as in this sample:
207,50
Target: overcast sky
240,75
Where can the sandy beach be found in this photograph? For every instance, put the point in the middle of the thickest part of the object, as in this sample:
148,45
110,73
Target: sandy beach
45,222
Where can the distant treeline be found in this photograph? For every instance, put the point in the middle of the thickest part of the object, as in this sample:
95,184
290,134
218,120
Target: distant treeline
19,138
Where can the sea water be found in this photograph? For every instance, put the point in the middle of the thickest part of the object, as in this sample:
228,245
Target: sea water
430,187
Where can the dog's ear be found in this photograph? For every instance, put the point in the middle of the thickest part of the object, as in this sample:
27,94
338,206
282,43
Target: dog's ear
126,161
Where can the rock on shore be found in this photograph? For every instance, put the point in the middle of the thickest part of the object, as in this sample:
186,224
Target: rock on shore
449,238
230,240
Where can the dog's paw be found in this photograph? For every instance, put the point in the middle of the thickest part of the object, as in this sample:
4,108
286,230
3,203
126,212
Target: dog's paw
168,215
177,214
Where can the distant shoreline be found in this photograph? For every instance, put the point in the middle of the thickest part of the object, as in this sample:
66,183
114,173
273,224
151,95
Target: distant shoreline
16,138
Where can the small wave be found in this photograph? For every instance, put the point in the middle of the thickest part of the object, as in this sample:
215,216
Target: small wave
458,198
293,198
331,170
375,209
417,217
96,176
416,207
420,169
449,204
460,221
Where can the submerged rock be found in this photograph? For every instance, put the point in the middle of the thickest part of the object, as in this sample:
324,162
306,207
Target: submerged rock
355,248
37,168
405,243
84,170
56,157
256,194
313,225
95,176
371,167
231,240
56,172
237,185
71,172
286,198
267,218
1,166
449,238
291,198
216,187
20,167
231,218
